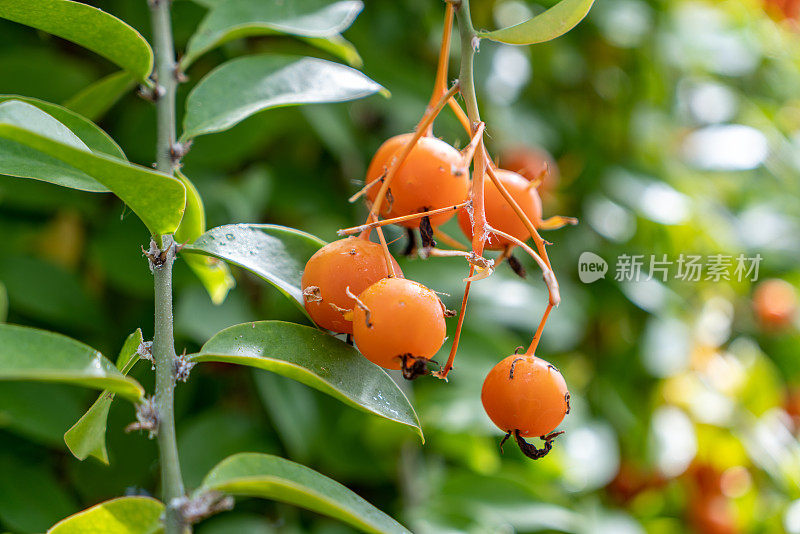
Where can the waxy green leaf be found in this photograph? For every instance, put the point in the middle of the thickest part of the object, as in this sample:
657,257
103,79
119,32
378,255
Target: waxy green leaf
158,199
278,479
86,26
213,274
320,21
125,515
41,356
96,99
87,131
316,359
546,26
246,85
275,253
87,437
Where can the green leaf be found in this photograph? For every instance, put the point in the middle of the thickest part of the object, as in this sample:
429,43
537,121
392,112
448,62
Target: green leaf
213,274
40,412
338,46
553,23
3,303
92,135
125,515
48,292
235,19
275,253
315,359
31,497
86,26
158,199
38,355
87,437
274,478
95,100
246,85
25,162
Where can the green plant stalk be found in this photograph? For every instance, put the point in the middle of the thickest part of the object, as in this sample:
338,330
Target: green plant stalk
469,41
163,340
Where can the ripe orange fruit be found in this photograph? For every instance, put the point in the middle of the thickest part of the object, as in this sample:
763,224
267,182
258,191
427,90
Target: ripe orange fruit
525,394
351,262
532,163
433,176
500,215
775,303
403,324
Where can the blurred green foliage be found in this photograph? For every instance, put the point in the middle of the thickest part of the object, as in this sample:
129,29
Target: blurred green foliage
676,128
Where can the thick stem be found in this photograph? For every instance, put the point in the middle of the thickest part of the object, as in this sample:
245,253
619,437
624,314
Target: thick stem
164,357
165,72
163,339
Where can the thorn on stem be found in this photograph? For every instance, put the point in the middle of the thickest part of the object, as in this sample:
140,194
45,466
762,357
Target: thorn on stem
195,509
145,352
146,418
183,367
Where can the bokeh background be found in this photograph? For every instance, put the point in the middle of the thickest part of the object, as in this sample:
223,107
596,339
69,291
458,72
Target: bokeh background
675,128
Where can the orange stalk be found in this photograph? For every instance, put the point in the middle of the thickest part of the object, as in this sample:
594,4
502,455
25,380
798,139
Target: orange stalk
403,218
442,373
538,335
397,162
521,214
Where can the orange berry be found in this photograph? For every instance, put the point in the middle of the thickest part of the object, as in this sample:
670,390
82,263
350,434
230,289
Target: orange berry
525,394
433,176
533,164
775,303
500,215
351,262
403,323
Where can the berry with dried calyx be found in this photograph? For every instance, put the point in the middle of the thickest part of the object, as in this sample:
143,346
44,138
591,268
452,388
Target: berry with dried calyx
353,263
526,396
433,176
399,324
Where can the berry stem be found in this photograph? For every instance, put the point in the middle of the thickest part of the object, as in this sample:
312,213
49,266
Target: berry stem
447,239
404,218
440,84
547,271
537,239
397,162
538,335
469,41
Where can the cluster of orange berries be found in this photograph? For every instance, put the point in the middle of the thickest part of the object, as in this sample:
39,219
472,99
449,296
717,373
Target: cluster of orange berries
354,286
398,323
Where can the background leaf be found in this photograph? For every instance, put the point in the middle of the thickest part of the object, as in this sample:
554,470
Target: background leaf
316,359
271,477
95,100
87,437
275,253
38,355
319,20
87,131
126,515
247,85
156,198
553,23
31,497
87,26
213,274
